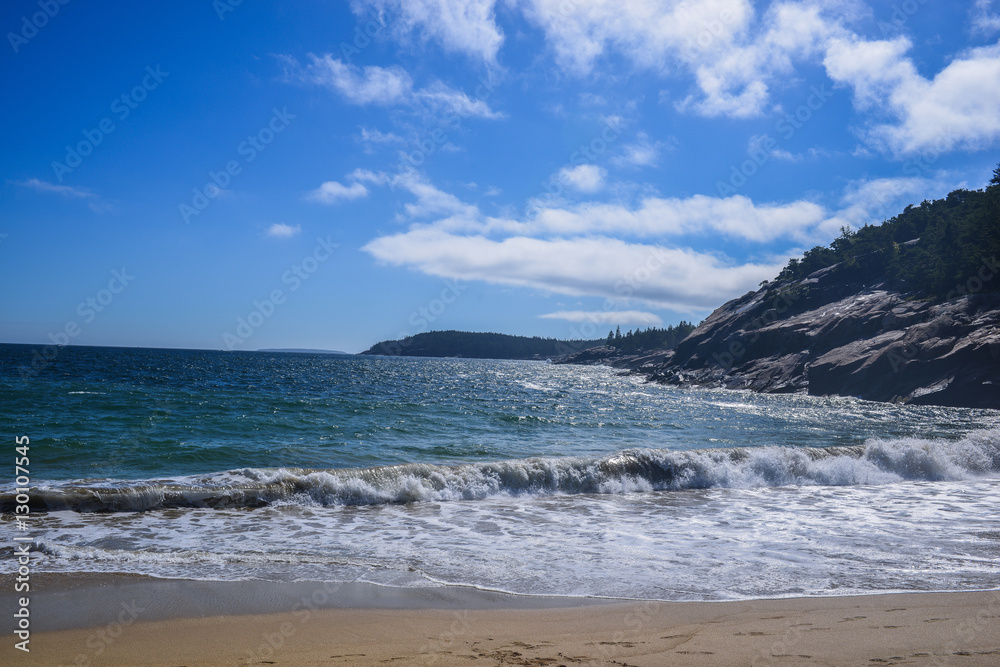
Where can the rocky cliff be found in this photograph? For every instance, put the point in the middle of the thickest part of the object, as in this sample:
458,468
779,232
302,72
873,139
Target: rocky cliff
828,335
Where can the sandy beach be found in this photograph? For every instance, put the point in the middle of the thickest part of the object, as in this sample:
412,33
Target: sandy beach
134,621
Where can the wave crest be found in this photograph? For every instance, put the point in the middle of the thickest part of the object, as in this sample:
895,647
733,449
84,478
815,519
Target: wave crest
635,470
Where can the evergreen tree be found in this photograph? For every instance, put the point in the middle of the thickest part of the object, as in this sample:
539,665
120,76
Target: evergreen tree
930,250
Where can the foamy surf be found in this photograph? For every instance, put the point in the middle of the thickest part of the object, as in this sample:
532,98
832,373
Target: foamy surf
635,470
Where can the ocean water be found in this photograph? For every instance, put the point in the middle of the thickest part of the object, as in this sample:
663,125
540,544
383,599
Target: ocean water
523,477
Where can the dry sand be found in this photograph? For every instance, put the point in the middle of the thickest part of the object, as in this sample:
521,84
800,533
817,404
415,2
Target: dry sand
910,629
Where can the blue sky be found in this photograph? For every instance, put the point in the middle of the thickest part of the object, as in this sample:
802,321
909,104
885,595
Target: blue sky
327,174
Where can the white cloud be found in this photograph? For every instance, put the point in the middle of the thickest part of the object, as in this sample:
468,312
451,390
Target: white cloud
374,136
281,230
64,190
955,109
676,278
732,55
440,96
758,145
387,86
730,51
641,153
368,176
94,202
368,85
735,217
332,191
463,26
608,250
875,200
985,19
585,177
432,201
626,317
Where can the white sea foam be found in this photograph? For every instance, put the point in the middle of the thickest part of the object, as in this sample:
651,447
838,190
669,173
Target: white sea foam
876,462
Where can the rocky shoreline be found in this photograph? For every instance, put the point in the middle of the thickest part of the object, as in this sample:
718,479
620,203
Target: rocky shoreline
827,335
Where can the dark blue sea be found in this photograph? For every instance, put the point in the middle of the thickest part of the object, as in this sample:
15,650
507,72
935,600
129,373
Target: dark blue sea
517,476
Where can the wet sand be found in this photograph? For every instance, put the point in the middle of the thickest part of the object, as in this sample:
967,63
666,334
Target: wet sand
102,620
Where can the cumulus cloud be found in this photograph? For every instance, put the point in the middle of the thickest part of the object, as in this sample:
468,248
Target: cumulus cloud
585,177
641,153
282,231
462,26
386,86
626,317
955,109
331,192
730,51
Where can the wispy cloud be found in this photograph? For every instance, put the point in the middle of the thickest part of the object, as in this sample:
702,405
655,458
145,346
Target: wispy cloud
331,192
626,317
985,17
369,137
461,26
386,86
94,202
641,153
282,231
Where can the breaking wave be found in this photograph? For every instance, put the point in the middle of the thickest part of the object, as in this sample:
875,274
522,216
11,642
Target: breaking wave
635,470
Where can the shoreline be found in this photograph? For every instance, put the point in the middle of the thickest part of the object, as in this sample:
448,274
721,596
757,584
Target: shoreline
134,619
